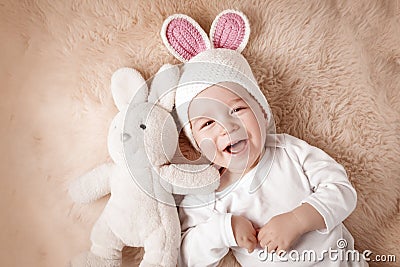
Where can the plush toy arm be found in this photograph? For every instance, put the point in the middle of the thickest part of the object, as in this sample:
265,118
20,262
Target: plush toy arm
92,185
189,179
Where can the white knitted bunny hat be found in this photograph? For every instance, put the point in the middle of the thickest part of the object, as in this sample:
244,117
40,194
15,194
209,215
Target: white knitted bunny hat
210,61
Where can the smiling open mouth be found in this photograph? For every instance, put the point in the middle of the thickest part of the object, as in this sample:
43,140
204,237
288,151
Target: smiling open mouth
237,147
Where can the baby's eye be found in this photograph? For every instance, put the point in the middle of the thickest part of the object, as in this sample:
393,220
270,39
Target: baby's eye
235,110
208,123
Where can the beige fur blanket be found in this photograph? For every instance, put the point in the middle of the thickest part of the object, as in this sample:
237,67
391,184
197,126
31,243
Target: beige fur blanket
330,70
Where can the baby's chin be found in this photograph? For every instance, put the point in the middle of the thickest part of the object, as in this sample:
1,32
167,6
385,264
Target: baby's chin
237,164
240,165
236,167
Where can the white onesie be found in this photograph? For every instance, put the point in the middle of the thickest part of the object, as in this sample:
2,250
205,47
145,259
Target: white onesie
295,172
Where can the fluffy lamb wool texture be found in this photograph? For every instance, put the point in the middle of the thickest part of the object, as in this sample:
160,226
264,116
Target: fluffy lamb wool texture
329,69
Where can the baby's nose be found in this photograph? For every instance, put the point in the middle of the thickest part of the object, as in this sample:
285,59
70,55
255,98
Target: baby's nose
230,126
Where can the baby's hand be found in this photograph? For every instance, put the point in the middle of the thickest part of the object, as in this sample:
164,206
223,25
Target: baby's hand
244,232
280,232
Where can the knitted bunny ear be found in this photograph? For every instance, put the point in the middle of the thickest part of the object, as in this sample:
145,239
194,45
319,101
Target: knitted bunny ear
231,30
184,37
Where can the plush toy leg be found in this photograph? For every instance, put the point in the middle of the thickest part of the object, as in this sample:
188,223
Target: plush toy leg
105,243
88,259
161,251
106,250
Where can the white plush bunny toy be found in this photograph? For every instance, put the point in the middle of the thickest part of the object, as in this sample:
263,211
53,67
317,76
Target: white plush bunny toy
141,211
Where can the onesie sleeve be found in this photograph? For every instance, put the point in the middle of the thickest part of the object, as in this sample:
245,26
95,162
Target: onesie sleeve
332,195
206,235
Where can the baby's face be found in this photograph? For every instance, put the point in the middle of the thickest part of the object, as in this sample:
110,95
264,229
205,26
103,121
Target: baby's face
228,125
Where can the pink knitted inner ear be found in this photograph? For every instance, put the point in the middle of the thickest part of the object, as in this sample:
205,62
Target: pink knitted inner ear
229,31
185,38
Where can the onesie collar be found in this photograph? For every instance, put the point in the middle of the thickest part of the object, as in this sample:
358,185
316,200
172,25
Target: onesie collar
264,166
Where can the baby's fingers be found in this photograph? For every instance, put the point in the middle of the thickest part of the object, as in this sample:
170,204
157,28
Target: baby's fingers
252,244
249,243
271,246
262,232
263,239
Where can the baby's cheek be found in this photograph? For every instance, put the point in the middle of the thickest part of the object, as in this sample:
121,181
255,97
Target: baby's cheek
208,148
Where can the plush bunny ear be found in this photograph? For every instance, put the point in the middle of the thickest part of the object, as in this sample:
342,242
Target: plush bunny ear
184,37
163,86
231,30
128,85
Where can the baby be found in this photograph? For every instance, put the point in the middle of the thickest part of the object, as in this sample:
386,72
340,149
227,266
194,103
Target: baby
277,193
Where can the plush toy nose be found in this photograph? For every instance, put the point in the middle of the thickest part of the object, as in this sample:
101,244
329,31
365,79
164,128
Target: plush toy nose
125,137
